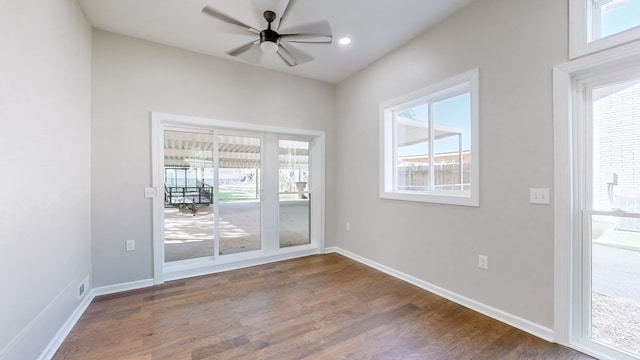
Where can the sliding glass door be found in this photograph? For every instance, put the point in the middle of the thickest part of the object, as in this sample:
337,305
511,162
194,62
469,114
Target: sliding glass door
188,194
231,195
211,194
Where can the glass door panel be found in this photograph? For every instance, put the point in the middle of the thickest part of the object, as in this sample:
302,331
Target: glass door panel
615,279
188,195
294,195
613,246
239,194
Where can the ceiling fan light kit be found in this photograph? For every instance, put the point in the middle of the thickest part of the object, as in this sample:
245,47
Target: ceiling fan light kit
269,46
270,41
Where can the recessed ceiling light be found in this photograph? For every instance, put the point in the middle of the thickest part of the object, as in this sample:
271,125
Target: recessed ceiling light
344,40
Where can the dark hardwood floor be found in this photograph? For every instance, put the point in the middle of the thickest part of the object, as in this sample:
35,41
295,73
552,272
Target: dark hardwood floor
318,307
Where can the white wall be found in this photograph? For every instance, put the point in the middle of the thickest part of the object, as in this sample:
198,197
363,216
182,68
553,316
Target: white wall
131,78
515,44
45,67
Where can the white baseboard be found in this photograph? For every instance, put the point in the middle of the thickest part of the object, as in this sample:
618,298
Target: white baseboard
510,319
27,342
517,322
57,340
112,289
64,331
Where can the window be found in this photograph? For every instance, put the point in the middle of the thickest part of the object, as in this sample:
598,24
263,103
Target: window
597,203
600,24
430,143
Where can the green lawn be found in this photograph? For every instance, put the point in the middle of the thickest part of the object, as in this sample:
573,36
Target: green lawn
245,192
237,192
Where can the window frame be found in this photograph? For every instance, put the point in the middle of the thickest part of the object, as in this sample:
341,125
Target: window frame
568,114
581,24
469,82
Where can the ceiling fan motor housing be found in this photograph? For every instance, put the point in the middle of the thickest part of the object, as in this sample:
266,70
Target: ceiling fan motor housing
269,35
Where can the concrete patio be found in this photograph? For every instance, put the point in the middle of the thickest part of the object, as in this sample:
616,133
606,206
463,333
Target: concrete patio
188,236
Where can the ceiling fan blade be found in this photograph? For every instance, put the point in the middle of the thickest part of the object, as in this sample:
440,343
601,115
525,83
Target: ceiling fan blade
220,16
249,52
293,56
320,30
307,38
243,48
288,4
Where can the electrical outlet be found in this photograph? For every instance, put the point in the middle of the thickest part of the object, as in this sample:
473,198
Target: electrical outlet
348,226
539,196
81,290
131,245
483,262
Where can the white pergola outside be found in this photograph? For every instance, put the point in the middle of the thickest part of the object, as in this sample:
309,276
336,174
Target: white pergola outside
410,132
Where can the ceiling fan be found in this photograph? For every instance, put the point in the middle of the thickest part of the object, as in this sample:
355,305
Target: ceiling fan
270,41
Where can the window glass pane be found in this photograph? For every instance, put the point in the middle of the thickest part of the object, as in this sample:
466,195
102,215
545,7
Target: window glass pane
412,148
616,147
170,177
616,16
295,198
615,240
452,144
615,283
238,193
188,216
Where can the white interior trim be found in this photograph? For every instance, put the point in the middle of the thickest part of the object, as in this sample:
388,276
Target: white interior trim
193,267
55,343
515,321
32,330
89,296
579,16
199,267
507,318
466,82
567,232
562,193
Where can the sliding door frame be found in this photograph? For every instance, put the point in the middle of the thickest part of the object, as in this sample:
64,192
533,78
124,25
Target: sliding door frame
169,271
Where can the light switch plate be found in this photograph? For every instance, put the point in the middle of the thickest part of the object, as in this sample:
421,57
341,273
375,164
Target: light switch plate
130,245
149,192
483,262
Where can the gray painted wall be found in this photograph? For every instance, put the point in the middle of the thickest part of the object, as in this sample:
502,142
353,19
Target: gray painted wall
132,78
44,170
515,44
49,89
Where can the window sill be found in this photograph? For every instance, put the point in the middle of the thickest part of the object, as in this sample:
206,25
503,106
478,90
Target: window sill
447,199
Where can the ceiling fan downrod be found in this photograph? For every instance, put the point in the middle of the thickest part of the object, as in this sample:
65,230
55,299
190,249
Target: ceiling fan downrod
269,38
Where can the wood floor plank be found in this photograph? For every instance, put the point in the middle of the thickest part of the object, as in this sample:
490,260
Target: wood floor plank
317,307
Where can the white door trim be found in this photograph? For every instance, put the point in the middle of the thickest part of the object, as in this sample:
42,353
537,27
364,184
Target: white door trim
568,189
194,267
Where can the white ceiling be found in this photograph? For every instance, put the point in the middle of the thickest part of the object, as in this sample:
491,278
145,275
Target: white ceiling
376,26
